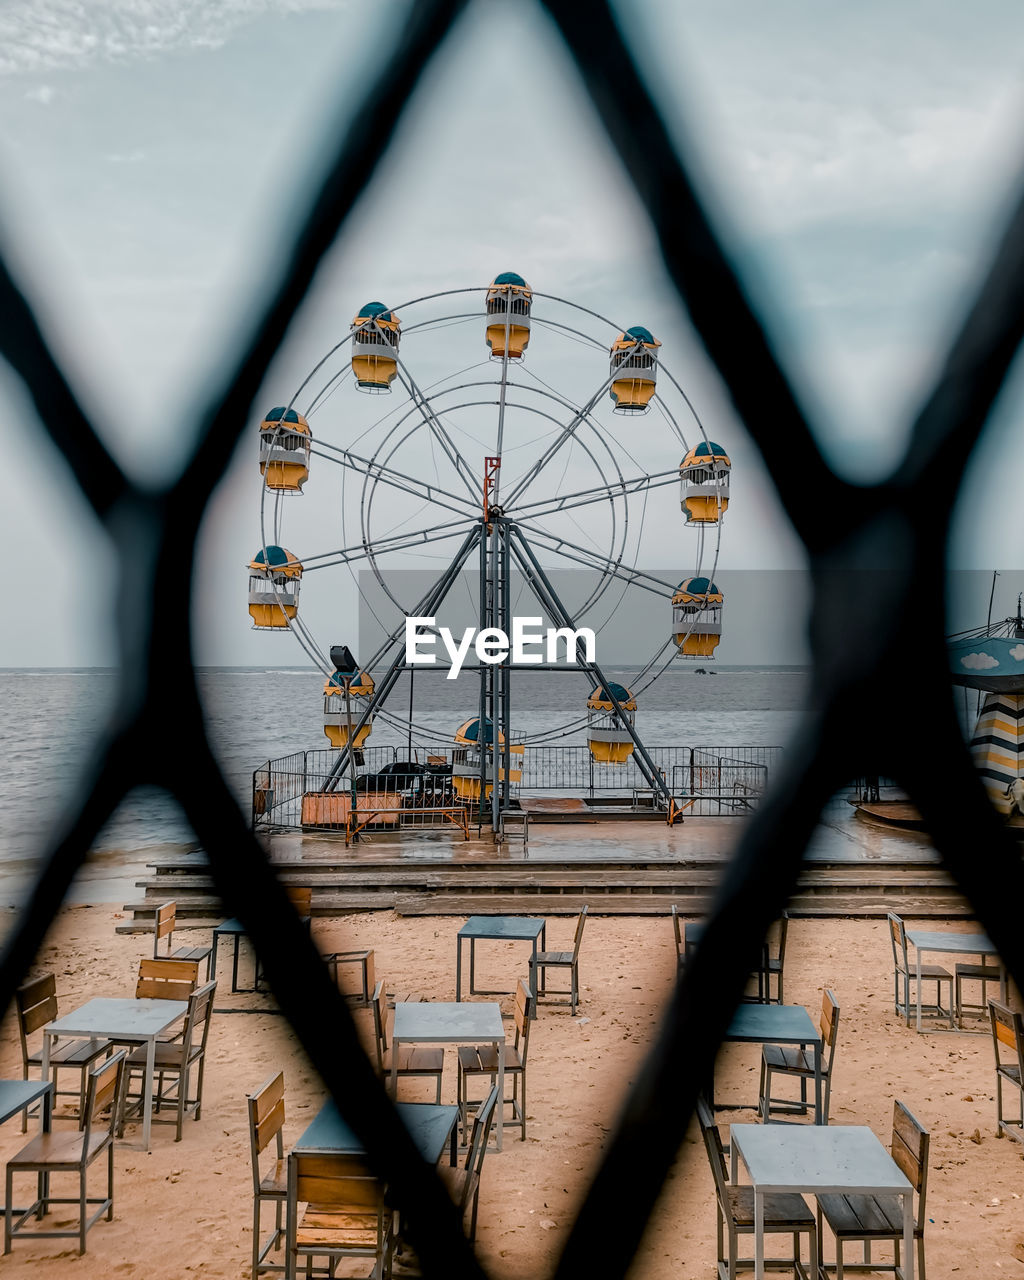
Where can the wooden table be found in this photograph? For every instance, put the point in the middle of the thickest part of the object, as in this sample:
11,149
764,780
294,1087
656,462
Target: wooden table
818,1160
429,1022
125,1021
952,944
499,928
236,930
779,1024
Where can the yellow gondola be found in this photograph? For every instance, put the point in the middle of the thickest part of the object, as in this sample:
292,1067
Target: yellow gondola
609,740
466,762
697,618
273,587
375,337
509,299
337,713
634,370
284,450
704,483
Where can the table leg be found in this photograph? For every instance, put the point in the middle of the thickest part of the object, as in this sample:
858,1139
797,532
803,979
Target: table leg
472,966
908,1236
458,968
533,973
393,1079
758,1234
918,949
147,1097
234,964
213,957
500,1047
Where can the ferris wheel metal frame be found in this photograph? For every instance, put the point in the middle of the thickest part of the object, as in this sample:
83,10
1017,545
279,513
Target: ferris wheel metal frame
502,539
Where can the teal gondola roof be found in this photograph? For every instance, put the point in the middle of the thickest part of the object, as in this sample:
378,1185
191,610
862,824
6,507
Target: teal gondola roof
708,449
621,693
471,730
376,310
638,331
700,587
279,412
275,555
509,277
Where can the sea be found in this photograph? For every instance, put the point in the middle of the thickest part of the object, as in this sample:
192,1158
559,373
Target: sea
52,718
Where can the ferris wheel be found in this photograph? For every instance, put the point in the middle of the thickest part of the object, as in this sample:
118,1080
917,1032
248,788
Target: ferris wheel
489,435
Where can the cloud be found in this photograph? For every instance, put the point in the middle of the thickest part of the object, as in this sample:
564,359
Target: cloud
44,95
1017,653
979,661
38,35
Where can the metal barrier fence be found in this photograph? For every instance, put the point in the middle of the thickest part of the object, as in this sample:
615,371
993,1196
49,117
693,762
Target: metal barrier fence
704,781
876,554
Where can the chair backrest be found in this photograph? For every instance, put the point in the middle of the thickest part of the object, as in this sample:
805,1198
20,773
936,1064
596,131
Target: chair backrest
713,1146
197,1020
37,1005
164,979
103,1092
378,1003
163,925
898,937
579,933
482,1124
301,899
829,1025
910,1142
523,1017
266,1122
333,1181
1007,1031
776,939
677,930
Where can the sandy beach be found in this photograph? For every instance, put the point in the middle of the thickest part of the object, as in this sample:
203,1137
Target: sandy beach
185,1207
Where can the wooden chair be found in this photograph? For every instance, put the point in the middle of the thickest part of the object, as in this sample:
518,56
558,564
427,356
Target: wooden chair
163,979
266,1122
774,962
904,974
560,960
482,1060
785,1213
790,1060
163,927
66,1152
871,1218
176,1062
464,1183
413,1060
1008,1034
983,973
36,1003
345,1215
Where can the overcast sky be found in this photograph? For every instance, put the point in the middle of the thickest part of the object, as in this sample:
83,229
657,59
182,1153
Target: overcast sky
154,154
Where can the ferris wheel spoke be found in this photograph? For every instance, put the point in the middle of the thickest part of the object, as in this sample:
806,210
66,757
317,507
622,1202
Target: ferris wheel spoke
568,433
381,546
439,432
397,479
593,560
599,493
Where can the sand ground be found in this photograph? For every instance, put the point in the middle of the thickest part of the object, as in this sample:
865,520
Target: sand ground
185,1207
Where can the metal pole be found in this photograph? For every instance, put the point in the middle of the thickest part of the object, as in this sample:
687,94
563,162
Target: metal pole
506,672
495,699
482,718
351,754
